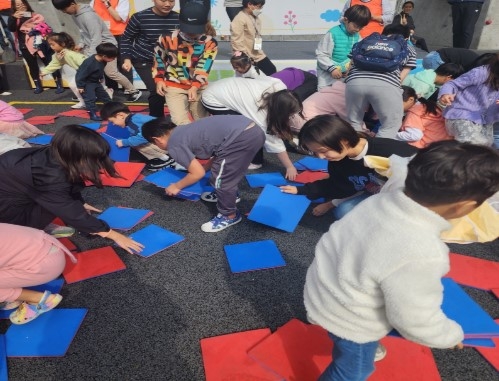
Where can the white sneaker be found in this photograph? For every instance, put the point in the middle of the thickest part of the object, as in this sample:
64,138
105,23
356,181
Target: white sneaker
380,353
253,167
79,105
110,92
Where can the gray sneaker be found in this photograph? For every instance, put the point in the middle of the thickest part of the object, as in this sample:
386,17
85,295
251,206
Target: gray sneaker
59,231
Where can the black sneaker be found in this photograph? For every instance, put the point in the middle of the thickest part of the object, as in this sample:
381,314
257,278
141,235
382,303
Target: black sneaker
154,165
134,96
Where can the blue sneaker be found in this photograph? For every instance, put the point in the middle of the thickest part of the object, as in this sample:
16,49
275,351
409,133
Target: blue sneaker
219,223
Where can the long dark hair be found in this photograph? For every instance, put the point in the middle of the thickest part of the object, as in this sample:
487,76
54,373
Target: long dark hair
493,79
430,104
281,106
25,2
83,153
63,39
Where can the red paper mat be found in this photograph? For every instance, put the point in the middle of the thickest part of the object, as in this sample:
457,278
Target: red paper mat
491,354
130,173
300,352
474,272
76,113
137,108
41,119
24,111
93,263
226,357
310,176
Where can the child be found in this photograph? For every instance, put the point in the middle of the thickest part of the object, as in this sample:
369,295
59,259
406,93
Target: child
28,257
424,123
301,82
230,141
425,82
183,63
12,123
472,102
120,115
389,276
42,183
67,59
333,49
93,31
89,77
245,33
350,181
379,89
267,102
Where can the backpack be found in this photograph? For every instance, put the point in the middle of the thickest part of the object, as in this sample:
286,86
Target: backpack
380,53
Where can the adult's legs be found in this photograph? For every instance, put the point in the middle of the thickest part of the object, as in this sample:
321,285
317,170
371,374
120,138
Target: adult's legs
351,361
464,17
156,101
31,61
128,74
111,70
266,66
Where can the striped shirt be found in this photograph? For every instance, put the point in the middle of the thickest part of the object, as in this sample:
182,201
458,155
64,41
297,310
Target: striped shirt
142,33
392,77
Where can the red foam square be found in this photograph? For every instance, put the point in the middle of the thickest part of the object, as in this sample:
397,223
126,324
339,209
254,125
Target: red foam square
298,351
310,176
226,357
93,263
41,119
76,113
491,354
24,111
474,272
137,108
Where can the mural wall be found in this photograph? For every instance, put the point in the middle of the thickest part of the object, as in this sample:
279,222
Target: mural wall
279,17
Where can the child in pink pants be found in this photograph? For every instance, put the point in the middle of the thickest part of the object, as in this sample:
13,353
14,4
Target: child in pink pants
28,257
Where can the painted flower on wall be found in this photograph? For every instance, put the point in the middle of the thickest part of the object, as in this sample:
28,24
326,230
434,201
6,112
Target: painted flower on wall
290,20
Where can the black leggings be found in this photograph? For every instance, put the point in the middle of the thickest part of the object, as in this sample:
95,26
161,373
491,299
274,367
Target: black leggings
266,66
32,62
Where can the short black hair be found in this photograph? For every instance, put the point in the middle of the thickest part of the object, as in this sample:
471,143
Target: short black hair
407,92
448,171
254,2
451,69
329,131
403,30
110,109
360,15
107,49
408,2
156,128
62,4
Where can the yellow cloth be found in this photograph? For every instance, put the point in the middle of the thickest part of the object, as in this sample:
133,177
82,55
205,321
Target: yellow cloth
481,225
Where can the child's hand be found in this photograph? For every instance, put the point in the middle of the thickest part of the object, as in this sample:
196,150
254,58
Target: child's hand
119,143
127,65
497,102
458,346
125,242
172,190
322,209
89,208
447,99
161,88
192,94
336,74
291,173
81,91
289,189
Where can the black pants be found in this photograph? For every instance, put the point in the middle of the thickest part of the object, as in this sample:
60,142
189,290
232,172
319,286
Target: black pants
464,17
233,11
31,60
308,87
156,101
93,91
266,66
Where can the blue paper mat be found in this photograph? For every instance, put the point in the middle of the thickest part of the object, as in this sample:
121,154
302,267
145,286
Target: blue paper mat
312,164
123,218
117,153
42,140
4,374
93,126
262,179
117,132
253,256
167,176
155,239
279,210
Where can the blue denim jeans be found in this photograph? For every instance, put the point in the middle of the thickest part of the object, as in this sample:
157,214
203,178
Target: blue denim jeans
432,60
346,206
351,361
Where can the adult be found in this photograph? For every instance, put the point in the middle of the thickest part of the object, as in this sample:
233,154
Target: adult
233,7
382,12
465,14
114,13
21,22
405,18
93,32
42,183
5,12
245,31
460,56
137,46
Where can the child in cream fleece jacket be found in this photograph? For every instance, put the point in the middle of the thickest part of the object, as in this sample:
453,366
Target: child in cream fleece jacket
360,289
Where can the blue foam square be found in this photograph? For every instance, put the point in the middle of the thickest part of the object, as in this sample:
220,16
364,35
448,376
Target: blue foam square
261,179
121,154
167,176
4,375
93,126
49,335
312,164
253,256
279,210
155,239
117,132
42,140
123,218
